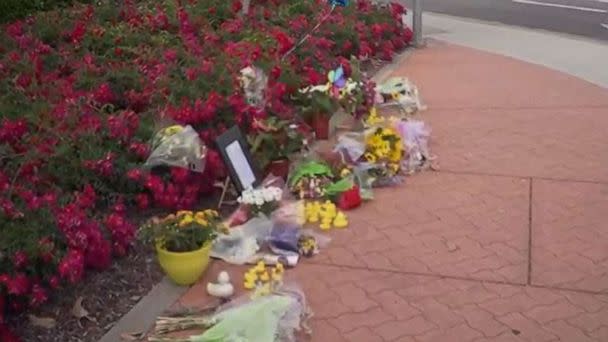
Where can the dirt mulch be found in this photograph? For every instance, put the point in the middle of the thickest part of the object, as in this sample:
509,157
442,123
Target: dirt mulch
107,296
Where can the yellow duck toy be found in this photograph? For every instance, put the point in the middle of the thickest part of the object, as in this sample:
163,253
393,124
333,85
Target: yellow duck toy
340,220
312,212
328,212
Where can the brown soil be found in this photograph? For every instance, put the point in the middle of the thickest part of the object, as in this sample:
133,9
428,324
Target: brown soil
107,296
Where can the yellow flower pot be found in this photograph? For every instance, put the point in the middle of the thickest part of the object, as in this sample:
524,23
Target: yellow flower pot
184,268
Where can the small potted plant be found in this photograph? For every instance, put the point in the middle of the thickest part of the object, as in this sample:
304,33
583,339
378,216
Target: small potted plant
273,142
318,106
183,242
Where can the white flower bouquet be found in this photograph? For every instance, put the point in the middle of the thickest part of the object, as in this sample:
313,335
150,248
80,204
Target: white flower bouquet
263,200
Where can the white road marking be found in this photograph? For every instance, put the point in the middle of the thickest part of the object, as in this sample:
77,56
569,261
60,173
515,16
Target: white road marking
605,26
548,4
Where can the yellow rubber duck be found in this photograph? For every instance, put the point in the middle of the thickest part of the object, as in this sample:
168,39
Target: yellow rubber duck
327,217
326,224
259,267
313,209
249,285
265,276
340,221
250,277
276,276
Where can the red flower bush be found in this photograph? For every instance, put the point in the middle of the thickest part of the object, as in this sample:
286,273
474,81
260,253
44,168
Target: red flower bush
81,94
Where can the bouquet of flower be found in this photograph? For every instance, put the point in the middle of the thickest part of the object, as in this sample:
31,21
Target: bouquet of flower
263,200
384,148
310,180
178,146
184,231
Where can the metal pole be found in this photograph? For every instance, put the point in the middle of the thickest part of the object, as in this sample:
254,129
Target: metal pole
417,23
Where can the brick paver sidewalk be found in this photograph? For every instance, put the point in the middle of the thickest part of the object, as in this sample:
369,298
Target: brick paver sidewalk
508,242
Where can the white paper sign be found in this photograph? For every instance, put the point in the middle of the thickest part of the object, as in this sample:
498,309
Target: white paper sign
240,164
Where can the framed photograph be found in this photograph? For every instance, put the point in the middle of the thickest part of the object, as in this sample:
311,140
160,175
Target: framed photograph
236,155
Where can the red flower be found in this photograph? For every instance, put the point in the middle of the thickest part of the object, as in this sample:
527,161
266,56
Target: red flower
237,6
19,285
134,175
6,335
38,296
54,282
23,81
71,267
397,10
78,33
20,259
284,41
154,183
103,94
98,255
313,77
275,72
143,201
141,150
179,175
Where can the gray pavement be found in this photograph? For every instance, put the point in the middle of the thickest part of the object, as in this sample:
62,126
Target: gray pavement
588,18
583,58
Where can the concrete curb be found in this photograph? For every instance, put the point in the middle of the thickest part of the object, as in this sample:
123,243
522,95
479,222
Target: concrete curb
142,316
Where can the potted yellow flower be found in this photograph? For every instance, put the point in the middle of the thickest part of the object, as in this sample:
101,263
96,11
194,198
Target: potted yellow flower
183,242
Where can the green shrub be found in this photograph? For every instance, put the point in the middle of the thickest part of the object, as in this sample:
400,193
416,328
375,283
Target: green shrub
15,9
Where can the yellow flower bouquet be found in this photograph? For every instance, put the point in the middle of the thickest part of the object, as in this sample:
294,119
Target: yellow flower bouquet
184,231
384,148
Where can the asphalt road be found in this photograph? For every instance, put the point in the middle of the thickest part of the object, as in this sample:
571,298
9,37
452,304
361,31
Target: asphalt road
588,18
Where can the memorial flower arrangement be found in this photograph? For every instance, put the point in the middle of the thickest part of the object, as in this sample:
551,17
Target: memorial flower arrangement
263,200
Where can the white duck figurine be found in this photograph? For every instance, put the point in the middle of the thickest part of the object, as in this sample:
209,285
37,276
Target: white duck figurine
223,288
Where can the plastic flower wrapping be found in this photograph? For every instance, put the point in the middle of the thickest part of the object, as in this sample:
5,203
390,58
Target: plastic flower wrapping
399,91
178,146
254,82
415,135
263,200
276,316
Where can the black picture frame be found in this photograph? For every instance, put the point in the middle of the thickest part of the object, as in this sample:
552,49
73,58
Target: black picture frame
226,146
